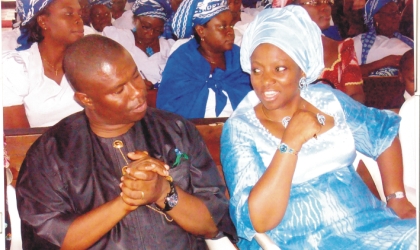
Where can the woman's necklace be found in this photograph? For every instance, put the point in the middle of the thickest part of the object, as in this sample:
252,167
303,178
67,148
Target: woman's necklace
208,59
117,144
149,49
51,66
285,121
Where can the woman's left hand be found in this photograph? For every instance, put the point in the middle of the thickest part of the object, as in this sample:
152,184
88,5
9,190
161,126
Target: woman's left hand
403,208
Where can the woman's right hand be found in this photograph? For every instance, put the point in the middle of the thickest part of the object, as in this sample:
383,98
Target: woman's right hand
391,61
302,127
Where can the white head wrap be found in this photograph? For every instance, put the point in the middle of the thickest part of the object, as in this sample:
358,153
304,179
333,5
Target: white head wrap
290,29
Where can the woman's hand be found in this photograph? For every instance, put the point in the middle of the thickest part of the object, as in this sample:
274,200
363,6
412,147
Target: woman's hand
302,127
391,61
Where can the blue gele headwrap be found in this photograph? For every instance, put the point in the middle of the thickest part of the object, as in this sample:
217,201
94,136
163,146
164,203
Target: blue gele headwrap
153,8
293,31
195,12
26,10
107,3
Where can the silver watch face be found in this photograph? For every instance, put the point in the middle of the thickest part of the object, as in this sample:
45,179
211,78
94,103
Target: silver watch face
283,148
172,200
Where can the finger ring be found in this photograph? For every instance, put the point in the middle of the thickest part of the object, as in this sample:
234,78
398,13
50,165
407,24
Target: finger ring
316,138
321,119
142,195
124,170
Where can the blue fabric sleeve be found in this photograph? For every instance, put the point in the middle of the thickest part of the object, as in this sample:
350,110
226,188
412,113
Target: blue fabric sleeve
373,130
243,167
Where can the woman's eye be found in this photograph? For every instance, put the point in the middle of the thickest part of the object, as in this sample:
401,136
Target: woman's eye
69,13
278,69
255,71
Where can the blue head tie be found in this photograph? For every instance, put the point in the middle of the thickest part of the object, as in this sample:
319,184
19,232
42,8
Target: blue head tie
26,10
195,12
293,31
153,8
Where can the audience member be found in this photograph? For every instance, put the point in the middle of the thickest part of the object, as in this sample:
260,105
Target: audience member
123,18
85,12
148,49
203,77
353,11
35,91
379,50
287,150
406,24
118,175
406,73
168,32
341,67
100,14
245,15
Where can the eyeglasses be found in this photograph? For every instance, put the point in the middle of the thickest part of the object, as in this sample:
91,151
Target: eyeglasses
224,27
391,14
317,2
149,28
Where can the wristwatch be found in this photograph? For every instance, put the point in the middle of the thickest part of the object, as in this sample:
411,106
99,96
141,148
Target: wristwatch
396,195
285,149
171,198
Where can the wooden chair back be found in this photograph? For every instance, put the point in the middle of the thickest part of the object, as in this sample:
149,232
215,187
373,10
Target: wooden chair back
19,140
383,92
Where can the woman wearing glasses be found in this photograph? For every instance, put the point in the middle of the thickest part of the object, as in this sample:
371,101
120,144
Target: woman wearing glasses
341,66
148,49
380,49
203,77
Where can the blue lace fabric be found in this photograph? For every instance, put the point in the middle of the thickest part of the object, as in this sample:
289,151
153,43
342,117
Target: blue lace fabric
329,205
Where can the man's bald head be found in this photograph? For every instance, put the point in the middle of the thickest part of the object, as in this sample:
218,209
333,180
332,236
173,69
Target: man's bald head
84,59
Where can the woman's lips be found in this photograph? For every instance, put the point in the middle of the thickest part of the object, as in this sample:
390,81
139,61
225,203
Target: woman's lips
270,95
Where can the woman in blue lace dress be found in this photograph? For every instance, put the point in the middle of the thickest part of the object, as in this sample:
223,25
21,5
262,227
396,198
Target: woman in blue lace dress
287,150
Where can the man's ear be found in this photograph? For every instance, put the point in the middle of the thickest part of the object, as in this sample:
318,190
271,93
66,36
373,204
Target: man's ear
83,99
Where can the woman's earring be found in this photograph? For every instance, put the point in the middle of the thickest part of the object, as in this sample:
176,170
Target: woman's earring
302,83
202,39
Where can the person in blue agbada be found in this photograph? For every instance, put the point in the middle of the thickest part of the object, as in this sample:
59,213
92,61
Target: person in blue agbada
203,77
288,148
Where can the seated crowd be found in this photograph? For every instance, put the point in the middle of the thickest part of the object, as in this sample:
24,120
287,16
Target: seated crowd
113,173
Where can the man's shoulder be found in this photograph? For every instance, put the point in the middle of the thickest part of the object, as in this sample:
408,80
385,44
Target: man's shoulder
63,132
165,118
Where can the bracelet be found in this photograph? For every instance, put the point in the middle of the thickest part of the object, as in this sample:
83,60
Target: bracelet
396,195
285,149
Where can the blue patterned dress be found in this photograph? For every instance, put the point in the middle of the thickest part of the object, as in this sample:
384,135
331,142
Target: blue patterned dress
329,207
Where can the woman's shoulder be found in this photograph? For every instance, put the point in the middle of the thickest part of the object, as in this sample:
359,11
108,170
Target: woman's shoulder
166,43
119,35
19,59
